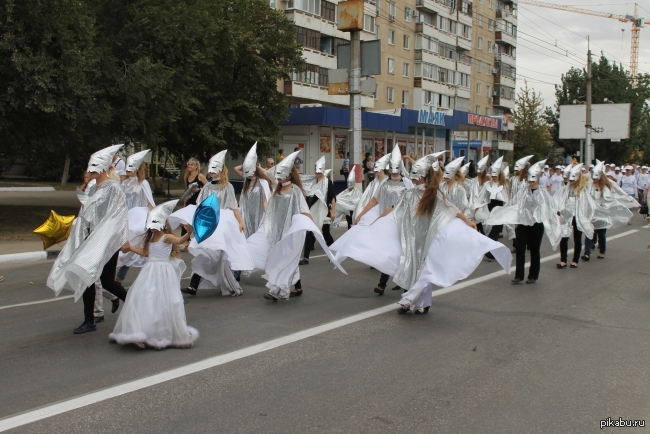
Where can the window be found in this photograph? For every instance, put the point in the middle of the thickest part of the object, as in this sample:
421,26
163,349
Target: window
480,43
308,38
272,3
328,11
478,88
311,6
426,18
426,70
369,23
491,3
487,92
488,69
423,42
478,110
479,66
391,37
466,7
407,15
376,94
465,31
443,23
393,10
480,20
453,27
489,46
407,42
312,74
463,80
405,69
491,25
487,111
391,66
390,94
405,98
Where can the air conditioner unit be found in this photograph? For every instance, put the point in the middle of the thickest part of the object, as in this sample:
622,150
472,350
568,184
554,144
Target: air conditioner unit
391,18
416,14
495,72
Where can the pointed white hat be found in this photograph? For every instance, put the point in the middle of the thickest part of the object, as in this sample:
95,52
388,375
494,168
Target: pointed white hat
576,172
134,162
521,163
101,160
216,162
395,163
482,164
420,168
453,167
158,215
320,165
250,162
599,169
535,171
284,167
465,169
382,163
496,167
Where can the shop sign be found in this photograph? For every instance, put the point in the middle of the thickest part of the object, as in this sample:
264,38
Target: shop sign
431,117
482,121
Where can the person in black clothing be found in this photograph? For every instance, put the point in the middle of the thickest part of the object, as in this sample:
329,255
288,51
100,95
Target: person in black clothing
472,169
330,199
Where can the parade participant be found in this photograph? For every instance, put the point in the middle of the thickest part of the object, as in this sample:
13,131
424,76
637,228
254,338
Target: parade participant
533,212
426,241
520,180
609,214
576,208
138,195
477,208
453,185
544,179
380,169
226,247
386,197
556,180
153,314
322,205
347,201
255,192
96,236
467,182
496,190
617,174
277,244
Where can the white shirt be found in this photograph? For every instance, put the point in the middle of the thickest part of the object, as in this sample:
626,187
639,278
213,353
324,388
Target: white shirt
543,181
556,182
628,184
618,178
120,167
643,181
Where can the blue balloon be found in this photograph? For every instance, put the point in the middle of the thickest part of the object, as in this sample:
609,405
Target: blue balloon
206,218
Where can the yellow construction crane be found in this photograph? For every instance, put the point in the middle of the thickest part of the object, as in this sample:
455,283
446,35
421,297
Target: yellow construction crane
637,24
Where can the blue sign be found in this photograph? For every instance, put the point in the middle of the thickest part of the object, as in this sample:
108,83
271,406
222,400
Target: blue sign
431,117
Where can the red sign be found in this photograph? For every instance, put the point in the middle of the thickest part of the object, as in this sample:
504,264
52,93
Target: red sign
482,121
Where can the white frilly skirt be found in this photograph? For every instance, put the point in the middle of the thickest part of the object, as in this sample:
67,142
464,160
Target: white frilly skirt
137,231
153,313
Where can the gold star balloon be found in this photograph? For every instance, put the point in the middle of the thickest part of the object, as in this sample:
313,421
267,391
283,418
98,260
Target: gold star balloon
55,229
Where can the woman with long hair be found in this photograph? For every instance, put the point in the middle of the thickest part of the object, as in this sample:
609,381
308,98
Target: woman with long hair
255,192
425,241
477,209
191,175
497,194
576,208
453,186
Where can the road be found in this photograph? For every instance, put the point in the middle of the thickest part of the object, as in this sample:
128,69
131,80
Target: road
558,356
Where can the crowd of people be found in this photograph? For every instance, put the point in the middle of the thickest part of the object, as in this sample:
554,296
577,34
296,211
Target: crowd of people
425,222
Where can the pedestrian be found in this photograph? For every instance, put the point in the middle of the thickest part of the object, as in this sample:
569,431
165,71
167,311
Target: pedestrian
298,162
280,155
119,167
96,237
226,247
322,206
255,193
472,169
192,177
576,208
153,314
345,167
277,244
556,180
138,195
368,170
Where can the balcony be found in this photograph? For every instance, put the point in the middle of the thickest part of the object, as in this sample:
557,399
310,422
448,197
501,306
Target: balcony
434,86
503,102
505,38
507,15
316,57
505,58
316,93
503,145
315,22
434,32
434,59
504,80
465,68
463,92
464,18
464,43
437,7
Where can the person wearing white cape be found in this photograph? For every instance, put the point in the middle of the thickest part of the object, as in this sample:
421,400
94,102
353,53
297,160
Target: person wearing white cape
425,239
477,208
385,198
139,200
453,186
153,314
226,249
533,212
347,201
278,243
96,236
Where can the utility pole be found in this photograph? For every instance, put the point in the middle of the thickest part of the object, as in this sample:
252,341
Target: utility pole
589,149
355,103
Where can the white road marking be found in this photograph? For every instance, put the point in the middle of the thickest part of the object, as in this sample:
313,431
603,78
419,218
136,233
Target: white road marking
132,386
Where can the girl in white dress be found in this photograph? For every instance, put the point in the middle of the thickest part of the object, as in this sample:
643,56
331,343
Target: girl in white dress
153,314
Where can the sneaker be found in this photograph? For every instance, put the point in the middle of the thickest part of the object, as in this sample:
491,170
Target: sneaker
396,288
379,289
116,305
270,297
424,311
189,290
304,262
529,281
296,293
85,327
99,319
516,281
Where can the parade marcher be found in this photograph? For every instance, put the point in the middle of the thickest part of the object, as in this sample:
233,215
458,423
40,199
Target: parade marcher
467,181
576,208
477,208
153,314
533,212
347,201
609,214
322,205
453,186
139,200
386,197
96,236
226,249
426,241
277,244
255,193
496,190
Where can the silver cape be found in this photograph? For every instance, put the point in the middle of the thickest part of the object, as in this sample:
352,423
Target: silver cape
515,185
367,196
226,195
137,194
346,201
527,208
582,207
320,210
417,233
610,213
279,211
252,207
477,207
623,197
388,194
456,195
99,231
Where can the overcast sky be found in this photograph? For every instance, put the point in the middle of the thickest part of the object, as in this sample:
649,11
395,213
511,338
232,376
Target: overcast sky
541,63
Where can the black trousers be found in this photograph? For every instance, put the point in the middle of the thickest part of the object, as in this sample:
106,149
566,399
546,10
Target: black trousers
495,230
310,240
528,237
348,218
577,245
195,280
383,280
108,282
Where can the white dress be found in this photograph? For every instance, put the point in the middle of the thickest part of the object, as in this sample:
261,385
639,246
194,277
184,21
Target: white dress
153,313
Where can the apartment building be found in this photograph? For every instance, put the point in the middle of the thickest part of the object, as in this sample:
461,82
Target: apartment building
424,95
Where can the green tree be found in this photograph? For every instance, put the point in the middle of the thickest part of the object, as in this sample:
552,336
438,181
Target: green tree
532,135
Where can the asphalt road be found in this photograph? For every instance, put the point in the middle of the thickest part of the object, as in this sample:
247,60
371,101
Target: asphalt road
558,356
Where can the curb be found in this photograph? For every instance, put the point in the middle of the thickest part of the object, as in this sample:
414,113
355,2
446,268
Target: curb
17,258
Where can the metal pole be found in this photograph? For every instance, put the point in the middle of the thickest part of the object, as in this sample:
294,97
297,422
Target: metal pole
482,142
355,101
582,150
589,148
331,152
424,148
468,134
